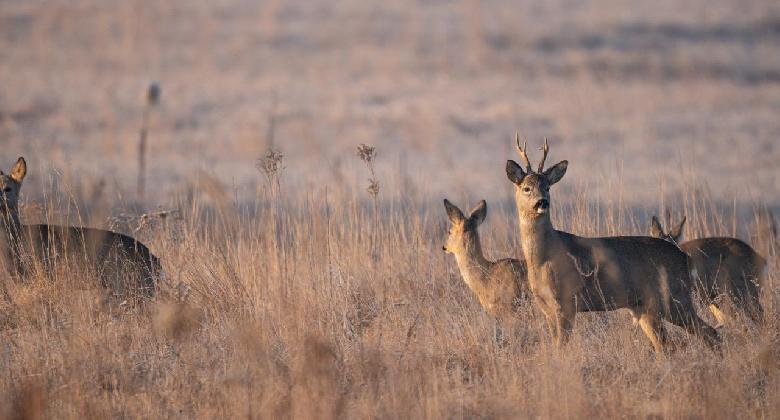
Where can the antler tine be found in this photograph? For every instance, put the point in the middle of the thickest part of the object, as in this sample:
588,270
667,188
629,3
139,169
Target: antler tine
545,149
521,152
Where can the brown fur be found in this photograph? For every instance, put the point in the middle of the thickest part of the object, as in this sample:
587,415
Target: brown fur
569,274
726,268
117,258
498,285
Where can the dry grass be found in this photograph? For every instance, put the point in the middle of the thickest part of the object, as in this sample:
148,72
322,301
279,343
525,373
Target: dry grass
300,318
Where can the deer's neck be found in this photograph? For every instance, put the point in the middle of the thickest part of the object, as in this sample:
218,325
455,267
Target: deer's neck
10,227
537,237
473,265
10,240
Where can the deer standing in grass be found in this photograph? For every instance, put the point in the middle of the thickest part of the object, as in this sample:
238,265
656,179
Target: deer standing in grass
569,274
726,268
125,266
497,284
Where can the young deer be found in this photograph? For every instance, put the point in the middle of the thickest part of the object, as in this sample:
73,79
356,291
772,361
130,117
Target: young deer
569,274
498,285
726,267
124,265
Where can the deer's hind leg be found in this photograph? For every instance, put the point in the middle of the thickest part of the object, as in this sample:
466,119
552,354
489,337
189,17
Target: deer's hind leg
651,325
717,312
685,316
746,295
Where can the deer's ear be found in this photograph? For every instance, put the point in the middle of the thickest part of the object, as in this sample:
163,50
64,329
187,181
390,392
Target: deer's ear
676,232
19,170
656,231
478,213
556,172
514,172
453,212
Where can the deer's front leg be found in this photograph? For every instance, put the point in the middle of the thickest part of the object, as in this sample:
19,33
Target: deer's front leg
565,321
546,301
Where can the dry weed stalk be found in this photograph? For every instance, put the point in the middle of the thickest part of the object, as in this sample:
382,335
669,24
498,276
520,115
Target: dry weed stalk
152,99
271,166
367,154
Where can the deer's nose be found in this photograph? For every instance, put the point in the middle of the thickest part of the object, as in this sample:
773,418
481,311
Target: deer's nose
542,204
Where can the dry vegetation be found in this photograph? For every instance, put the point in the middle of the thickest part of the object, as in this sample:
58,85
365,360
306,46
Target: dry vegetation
290,289
285,310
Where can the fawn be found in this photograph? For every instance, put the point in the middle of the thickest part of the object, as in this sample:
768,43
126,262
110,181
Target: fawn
125,265
726,268
497,284
569,274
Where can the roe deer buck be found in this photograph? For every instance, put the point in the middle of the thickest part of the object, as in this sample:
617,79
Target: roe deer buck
498,285
125,266
726,267
569,274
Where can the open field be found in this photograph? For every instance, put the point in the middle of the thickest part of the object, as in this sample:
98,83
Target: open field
308,298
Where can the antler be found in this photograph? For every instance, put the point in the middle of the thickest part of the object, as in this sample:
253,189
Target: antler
545,149
521,152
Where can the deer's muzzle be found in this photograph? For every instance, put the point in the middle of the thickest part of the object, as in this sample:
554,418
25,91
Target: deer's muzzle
542,205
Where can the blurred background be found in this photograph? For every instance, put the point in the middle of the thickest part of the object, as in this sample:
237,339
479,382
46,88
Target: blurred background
641,97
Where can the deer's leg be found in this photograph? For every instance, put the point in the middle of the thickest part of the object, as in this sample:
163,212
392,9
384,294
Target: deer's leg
498,334
687,318
549,317
653,329
746,296
546,303
565,321
719,315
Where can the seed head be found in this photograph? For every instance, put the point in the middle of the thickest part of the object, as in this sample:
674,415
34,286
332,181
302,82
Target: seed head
153,94
366,153
271,163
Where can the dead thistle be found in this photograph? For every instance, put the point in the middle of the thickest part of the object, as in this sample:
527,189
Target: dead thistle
367,154
271,165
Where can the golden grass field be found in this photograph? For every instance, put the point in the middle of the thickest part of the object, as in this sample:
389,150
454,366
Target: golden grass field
299,294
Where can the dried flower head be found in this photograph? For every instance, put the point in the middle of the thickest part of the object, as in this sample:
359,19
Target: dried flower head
373,186
153,94
271,164
366,153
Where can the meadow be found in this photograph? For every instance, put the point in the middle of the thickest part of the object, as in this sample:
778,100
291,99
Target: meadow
291,289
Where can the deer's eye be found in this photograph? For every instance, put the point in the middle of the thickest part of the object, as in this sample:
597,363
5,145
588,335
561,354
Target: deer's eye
526,190
7,189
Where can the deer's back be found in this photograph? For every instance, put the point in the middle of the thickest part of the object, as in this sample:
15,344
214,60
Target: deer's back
507,281
112,253
48,239
623,271
631,254
723,262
